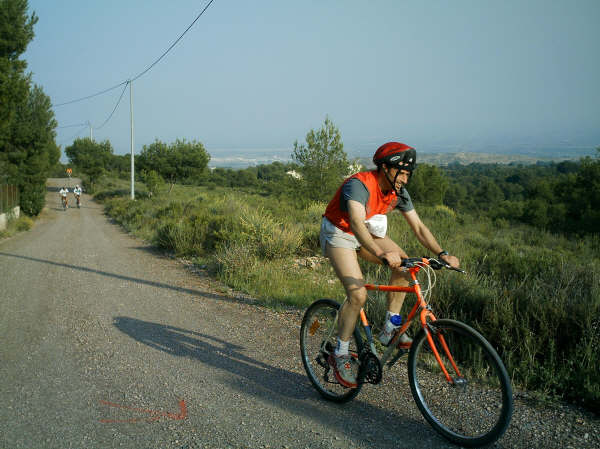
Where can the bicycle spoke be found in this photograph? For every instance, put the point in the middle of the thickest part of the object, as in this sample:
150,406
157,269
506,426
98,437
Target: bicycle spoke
476,406
317,340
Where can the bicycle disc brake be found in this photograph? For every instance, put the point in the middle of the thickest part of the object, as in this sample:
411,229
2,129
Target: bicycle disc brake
370,368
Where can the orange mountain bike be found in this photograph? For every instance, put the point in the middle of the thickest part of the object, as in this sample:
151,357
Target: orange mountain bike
456,377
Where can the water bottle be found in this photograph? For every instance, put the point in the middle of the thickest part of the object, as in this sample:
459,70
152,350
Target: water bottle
396,320
392,323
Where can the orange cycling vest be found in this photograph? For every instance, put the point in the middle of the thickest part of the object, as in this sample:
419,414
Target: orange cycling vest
378,203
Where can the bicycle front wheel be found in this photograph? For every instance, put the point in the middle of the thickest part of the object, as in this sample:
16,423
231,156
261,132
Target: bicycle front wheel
318,334
476,407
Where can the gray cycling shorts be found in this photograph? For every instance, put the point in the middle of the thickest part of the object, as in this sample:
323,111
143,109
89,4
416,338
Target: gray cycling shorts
334,236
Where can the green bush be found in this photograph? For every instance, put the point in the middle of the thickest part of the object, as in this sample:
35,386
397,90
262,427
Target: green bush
32,197
154,182
271,239
15,225
23,223
534,295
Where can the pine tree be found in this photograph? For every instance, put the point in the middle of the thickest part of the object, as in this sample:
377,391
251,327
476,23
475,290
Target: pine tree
27,126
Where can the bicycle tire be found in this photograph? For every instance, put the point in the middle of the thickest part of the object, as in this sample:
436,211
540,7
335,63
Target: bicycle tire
318,334
472,412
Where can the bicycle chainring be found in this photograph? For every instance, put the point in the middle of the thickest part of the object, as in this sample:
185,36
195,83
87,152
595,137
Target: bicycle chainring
370,368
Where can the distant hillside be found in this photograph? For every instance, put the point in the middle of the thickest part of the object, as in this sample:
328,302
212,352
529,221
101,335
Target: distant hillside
484,158
464,158
239,159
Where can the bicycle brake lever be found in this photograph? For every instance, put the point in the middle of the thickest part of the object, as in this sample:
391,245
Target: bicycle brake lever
437,265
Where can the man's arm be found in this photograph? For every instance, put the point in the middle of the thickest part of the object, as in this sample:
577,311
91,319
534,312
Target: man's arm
357,214
426,238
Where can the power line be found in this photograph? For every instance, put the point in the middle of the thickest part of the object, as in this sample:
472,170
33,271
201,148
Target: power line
174,43
75,135
140,74
105,121
90,96
71,126
115,108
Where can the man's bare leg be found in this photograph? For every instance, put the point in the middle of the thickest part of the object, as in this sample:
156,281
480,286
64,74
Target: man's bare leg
345,264
397,277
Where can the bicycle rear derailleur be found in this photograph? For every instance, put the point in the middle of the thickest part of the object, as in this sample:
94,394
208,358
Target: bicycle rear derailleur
370,367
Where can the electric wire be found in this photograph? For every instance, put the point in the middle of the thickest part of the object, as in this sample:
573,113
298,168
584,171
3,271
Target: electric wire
74,135
141,73
72,126
115,108
90,96
174,43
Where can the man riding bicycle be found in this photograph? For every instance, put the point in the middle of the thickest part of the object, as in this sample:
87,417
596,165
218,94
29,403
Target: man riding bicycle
355,224
63,196
77,192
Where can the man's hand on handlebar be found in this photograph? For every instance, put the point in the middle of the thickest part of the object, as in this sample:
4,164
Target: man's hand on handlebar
392,259
450,260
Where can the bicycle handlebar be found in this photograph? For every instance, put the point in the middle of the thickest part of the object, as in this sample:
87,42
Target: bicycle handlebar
436,264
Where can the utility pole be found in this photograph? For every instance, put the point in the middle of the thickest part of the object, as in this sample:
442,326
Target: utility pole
91,132
131,125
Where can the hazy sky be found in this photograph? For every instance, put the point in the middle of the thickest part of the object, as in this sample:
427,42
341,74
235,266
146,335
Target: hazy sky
260,74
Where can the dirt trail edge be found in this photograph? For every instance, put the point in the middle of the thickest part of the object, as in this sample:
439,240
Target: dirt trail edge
106,343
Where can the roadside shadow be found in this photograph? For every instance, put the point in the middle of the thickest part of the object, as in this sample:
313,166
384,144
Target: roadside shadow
285,389
116,276
212,351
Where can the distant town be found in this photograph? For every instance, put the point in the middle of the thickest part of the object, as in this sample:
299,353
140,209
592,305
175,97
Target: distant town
238,159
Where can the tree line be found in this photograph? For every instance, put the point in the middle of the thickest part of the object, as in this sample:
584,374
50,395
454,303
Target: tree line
28,150
560,197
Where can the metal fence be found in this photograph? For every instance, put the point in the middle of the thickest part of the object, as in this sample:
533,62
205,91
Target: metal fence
9,197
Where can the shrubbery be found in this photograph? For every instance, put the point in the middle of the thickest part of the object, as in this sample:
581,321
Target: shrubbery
23,223
535,295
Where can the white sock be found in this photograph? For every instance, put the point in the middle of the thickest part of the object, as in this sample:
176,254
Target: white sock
342,347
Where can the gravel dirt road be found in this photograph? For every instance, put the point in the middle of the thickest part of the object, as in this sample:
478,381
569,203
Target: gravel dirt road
107,343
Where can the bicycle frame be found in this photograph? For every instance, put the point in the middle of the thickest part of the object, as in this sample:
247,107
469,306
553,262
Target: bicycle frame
425,316
472,408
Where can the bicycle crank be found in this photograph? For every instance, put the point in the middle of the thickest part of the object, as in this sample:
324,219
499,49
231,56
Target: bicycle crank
370,368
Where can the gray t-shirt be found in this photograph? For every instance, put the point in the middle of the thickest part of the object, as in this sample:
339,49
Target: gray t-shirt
354,189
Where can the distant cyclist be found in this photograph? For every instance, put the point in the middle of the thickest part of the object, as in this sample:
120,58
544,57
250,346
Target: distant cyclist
77,192
355,224
63,197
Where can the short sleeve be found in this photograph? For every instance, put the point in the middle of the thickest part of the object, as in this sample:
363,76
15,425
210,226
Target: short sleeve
355,190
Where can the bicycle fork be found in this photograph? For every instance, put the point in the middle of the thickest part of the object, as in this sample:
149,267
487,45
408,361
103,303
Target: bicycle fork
430,331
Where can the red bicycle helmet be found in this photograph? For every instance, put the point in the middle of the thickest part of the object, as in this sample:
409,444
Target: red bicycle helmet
396,154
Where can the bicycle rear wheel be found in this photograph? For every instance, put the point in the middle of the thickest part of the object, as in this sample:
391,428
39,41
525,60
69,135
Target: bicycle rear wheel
318,334
476,408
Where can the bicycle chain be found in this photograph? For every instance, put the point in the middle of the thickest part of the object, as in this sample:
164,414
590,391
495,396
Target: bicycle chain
370,368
